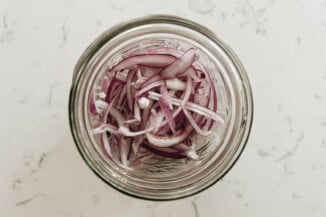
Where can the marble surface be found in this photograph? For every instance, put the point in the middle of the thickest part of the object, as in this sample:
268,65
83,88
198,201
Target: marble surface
282,44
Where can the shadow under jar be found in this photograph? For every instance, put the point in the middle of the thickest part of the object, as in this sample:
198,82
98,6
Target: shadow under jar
159,177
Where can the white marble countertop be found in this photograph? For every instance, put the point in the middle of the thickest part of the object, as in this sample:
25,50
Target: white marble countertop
282,44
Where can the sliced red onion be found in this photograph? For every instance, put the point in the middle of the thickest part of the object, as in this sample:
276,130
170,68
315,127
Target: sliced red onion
148,88
110,86
131,121
121,78
123,150
122,96
117,88
168,141
91,104
117,116
152,104
192,73
138,74
100,105
105,145
187,92
149,72
136,143
149,81
156,120
104,84
180,65
145,115
194,124
174,115
164,50
153,60
166,96
167,113
137,112
175,84
126,132
190,106
143,102
128,89
105,128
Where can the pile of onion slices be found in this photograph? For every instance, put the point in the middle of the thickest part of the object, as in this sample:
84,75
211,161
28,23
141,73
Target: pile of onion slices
153,104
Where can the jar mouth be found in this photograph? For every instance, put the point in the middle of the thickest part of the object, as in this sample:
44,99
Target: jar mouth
112,45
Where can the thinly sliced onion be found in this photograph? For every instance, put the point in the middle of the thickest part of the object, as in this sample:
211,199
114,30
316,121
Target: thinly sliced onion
148,72
131,121
123,150
91,104
120,77
192,73
105,128
174,115
167,113
126,132
105,84
168,141
122,96
149,81
194,124
166,107
128,89
156,120
106,146
166,96
152,104
137,112
187,92
149,87
117,116
175,84
145,115
136,143
100,105
190,106
153,60
180,65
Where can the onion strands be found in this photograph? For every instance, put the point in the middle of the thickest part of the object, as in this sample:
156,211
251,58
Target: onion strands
153,104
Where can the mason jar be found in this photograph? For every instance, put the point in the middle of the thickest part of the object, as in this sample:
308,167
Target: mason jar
164,178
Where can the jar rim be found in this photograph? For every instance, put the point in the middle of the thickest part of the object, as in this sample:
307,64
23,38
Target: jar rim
159,19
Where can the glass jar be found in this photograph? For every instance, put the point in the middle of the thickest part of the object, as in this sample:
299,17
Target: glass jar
165,179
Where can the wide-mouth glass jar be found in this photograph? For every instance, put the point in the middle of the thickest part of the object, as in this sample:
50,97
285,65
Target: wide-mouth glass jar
165,178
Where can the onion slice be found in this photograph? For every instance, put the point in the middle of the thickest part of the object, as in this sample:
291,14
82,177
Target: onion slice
126,132
128,88
168,141
180,65
175,84
152,60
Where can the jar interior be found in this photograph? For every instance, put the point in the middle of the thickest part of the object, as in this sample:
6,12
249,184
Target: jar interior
165,178
160,168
